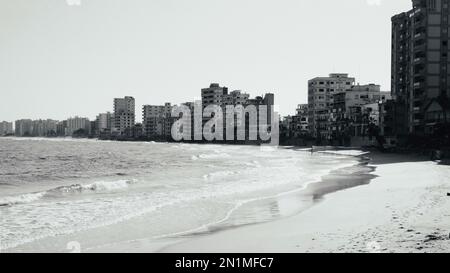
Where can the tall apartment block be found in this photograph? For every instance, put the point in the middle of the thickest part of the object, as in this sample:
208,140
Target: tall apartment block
213,95
76,124
103,124
217,95
157,121
6,128
61,128
43,128
421,67
124,114
320,99
23,127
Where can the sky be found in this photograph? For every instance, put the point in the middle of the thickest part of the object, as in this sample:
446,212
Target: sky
59,59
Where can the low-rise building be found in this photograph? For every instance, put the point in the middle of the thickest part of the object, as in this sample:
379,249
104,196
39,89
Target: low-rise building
356,96
356,113
300,122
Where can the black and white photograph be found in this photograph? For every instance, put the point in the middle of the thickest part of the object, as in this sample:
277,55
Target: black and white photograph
224,126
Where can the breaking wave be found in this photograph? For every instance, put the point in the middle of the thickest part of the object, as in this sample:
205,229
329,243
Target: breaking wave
99,186
21,199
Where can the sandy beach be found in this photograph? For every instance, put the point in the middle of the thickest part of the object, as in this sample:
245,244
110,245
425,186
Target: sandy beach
405,208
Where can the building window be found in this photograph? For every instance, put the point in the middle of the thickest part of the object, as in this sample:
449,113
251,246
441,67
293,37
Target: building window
432,5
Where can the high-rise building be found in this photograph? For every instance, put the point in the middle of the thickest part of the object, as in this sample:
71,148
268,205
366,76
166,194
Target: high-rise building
213,95
61,128
124,114
217,95
421,67
236,97
44,128
103,123
320,99
6,128
157,120
78,125
24,127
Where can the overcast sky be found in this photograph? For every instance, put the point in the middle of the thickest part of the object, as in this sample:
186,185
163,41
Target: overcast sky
58,60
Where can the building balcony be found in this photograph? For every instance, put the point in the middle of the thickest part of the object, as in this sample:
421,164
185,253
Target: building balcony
419,48
419,60
418,93
420,23
419,36
419,73
419,84
418,13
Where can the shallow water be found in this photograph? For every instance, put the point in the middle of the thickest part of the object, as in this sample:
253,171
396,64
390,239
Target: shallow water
58,188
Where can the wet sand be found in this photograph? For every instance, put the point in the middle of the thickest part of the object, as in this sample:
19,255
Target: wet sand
397,203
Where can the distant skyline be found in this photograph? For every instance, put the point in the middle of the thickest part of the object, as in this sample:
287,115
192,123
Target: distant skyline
59,60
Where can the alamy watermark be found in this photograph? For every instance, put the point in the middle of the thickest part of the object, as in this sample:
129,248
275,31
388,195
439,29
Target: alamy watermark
241,123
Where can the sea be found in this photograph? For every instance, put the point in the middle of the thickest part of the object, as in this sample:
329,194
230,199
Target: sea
54,192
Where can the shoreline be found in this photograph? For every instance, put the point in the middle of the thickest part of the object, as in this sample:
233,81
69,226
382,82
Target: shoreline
399,211
428,152
381,203
311,194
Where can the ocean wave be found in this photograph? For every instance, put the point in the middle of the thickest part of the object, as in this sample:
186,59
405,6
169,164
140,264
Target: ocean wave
99,186
214,156
21,199
109,186
56,139
254,164
219,174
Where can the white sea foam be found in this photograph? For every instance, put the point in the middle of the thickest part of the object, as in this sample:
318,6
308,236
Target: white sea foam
214,156
109,186
344,152
219,174
21,199
99,186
